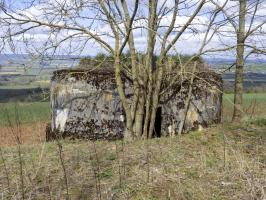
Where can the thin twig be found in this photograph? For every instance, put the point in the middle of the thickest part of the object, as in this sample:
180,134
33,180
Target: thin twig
60,151
6,170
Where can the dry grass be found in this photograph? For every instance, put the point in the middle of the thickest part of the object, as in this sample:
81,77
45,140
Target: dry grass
30,134
223,162
227,161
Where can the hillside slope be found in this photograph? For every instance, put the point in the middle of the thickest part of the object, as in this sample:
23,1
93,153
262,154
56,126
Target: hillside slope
223,162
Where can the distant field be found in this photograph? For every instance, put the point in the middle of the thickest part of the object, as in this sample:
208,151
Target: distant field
21,93
35,115
41,84
248,98
253,82
254,104
249,67
28,112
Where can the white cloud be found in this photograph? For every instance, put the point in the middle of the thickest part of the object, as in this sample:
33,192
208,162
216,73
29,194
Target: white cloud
188,43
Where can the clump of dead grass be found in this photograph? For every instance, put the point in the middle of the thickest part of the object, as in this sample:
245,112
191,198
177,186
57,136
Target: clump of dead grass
33,133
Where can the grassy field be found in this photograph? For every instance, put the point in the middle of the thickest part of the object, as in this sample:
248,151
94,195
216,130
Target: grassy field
223,162
32,118
27,112
37,91
254,106
248,98
41,84
227,161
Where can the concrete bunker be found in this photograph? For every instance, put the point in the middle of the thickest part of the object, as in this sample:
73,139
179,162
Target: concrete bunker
85,104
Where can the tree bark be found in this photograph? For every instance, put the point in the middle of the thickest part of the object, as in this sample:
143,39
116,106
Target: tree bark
239,73
149,64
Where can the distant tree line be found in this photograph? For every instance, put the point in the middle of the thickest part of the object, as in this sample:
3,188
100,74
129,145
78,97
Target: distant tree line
125,57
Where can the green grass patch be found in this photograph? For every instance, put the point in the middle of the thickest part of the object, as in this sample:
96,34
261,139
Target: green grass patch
107,173
253,106
40,111
26,112
34,84
248,98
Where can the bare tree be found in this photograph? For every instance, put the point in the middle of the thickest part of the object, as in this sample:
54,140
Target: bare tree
113,26
238,98
247,20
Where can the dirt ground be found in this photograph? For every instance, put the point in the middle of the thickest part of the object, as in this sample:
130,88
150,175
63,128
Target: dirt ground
26,133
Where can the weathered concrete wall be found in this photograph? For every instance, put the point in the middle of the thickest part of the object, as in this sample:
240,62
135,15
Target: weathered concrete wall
205,105
87,105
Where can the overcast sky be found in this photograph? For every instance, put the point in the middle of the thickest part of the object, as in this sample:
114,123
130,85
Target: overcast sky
38,38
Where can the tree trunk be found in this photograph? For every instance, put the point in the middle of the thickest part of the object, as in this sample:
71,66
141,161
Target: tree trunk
182,122
239,73
139,116
129,133
149,64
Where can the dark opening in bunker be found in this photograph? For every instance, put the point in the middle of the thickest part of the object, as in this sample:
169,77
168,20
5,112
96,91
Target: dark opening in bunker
158,123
